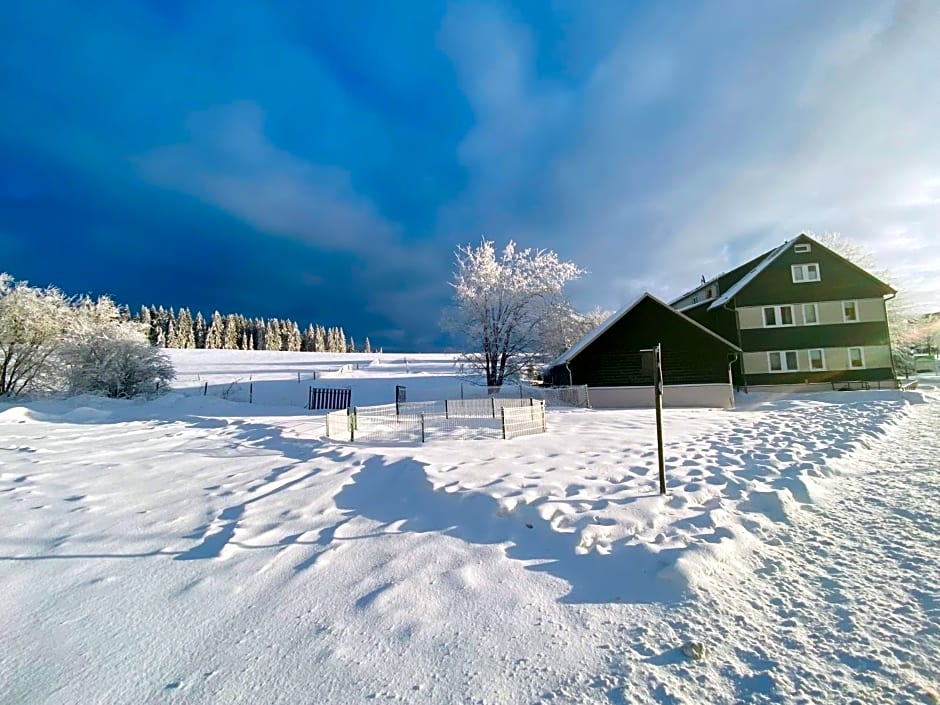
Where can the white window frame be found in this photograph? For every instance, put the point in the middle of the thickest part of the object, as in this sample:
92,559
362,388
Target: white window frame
861,354
815,308
846,319
822,355
802,247
783,361
804,273
778,317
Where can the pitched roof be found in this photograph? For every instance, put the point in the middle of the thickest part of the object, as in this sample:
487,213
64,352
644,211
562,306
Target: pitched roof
593,335
733,291
724,280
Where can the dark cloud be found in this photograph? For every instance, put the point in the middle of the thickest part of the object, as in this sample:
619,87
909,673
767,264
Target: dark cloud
321,163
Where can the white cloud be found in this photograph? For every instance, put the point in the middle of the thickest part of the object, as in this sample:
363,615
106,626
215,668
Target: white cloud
708,139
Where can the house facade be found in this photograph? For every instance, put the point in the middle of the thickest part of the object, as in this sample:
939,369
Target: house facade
801,314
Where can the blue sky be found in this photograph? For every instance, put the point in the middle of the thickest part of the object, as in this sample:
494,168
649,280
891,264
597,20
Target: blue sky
321,160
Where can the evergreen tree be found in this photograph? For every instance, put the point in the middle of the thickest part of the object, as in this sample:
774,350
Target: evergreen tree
161,338
319,339
214,334
199,331
294,339
230,333
340,340
309,339
272,335
367,348
185,336
171,339
352,345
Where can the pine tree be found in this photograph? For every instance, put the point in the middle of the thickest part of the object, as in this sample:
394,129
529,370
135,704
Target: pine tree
367,348
230,333
340,340
161,338
185,336
308,343
199,331
171,339
319,340
352,345
272,335
294,339
214,334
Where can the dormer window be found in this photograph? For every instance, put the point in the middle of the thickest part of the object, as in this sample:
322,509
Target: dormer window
803,273
802,248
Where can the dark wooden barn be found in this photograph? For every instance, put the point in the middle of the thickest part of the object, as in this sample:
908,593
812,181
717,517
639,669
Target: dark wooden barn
609,356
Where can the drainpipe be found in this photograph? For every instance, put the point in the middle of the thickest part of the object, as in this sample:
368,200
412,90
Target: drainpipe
737,325
733,360
894,370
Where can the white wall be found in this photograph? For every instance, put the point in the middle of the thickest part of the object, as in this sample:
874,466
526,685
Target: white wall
713,396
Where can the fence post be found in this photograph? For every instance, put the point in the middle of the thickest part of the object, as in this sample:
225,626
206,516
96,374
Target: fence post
493,400
461,390
503,415
352,423
422,427
314,374
544,425
251,391
446,410
205,389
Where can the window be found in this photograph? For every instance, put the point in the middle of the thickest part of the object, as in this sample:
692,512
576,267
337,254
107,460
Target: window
802,247
856,358
782,361
817,360
850,311
805,273
810,314
778,316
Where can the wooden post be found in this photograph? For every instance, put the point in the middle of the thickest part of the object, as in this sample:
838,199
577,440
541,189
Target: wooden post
205,389
251,391
493,400
446,410
352,424
544,423
422,427
659,418
298,376
503,414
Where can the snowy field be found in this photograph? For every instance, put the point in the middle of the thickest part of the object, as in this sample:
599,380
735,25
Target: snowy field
200,549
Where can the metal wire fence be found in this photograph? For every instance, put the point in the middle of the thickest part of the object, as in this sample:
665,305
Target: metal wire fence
420,422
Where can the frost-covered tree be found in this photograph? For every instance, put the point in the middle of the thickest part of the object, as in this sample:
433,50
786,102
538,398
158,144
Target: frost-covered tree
106,355
33,326
351,345
185,333
199,331
561,326
272,335
899,308
214,334
367,346
230,333
294,339
319,341
499,301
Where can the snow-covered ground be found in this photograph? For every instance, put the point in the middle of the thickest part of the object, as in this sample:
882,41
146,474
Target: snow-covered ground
198,549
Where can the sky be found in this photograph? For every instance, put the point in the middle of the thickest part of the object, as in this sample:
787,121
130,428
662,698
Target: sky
321,161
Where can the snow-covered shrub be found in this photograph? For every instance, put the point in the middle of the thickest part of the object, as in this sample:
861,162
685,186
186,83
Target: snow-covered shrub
50,343
105,355
33,327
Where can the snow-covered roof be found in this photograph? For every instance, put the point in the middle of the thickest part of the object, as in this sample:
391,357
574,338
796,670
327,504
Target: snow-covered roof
749,277
593,335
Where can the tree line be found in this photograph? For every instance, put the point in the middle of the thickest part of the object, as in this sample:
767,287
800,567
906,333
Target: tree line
167,329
